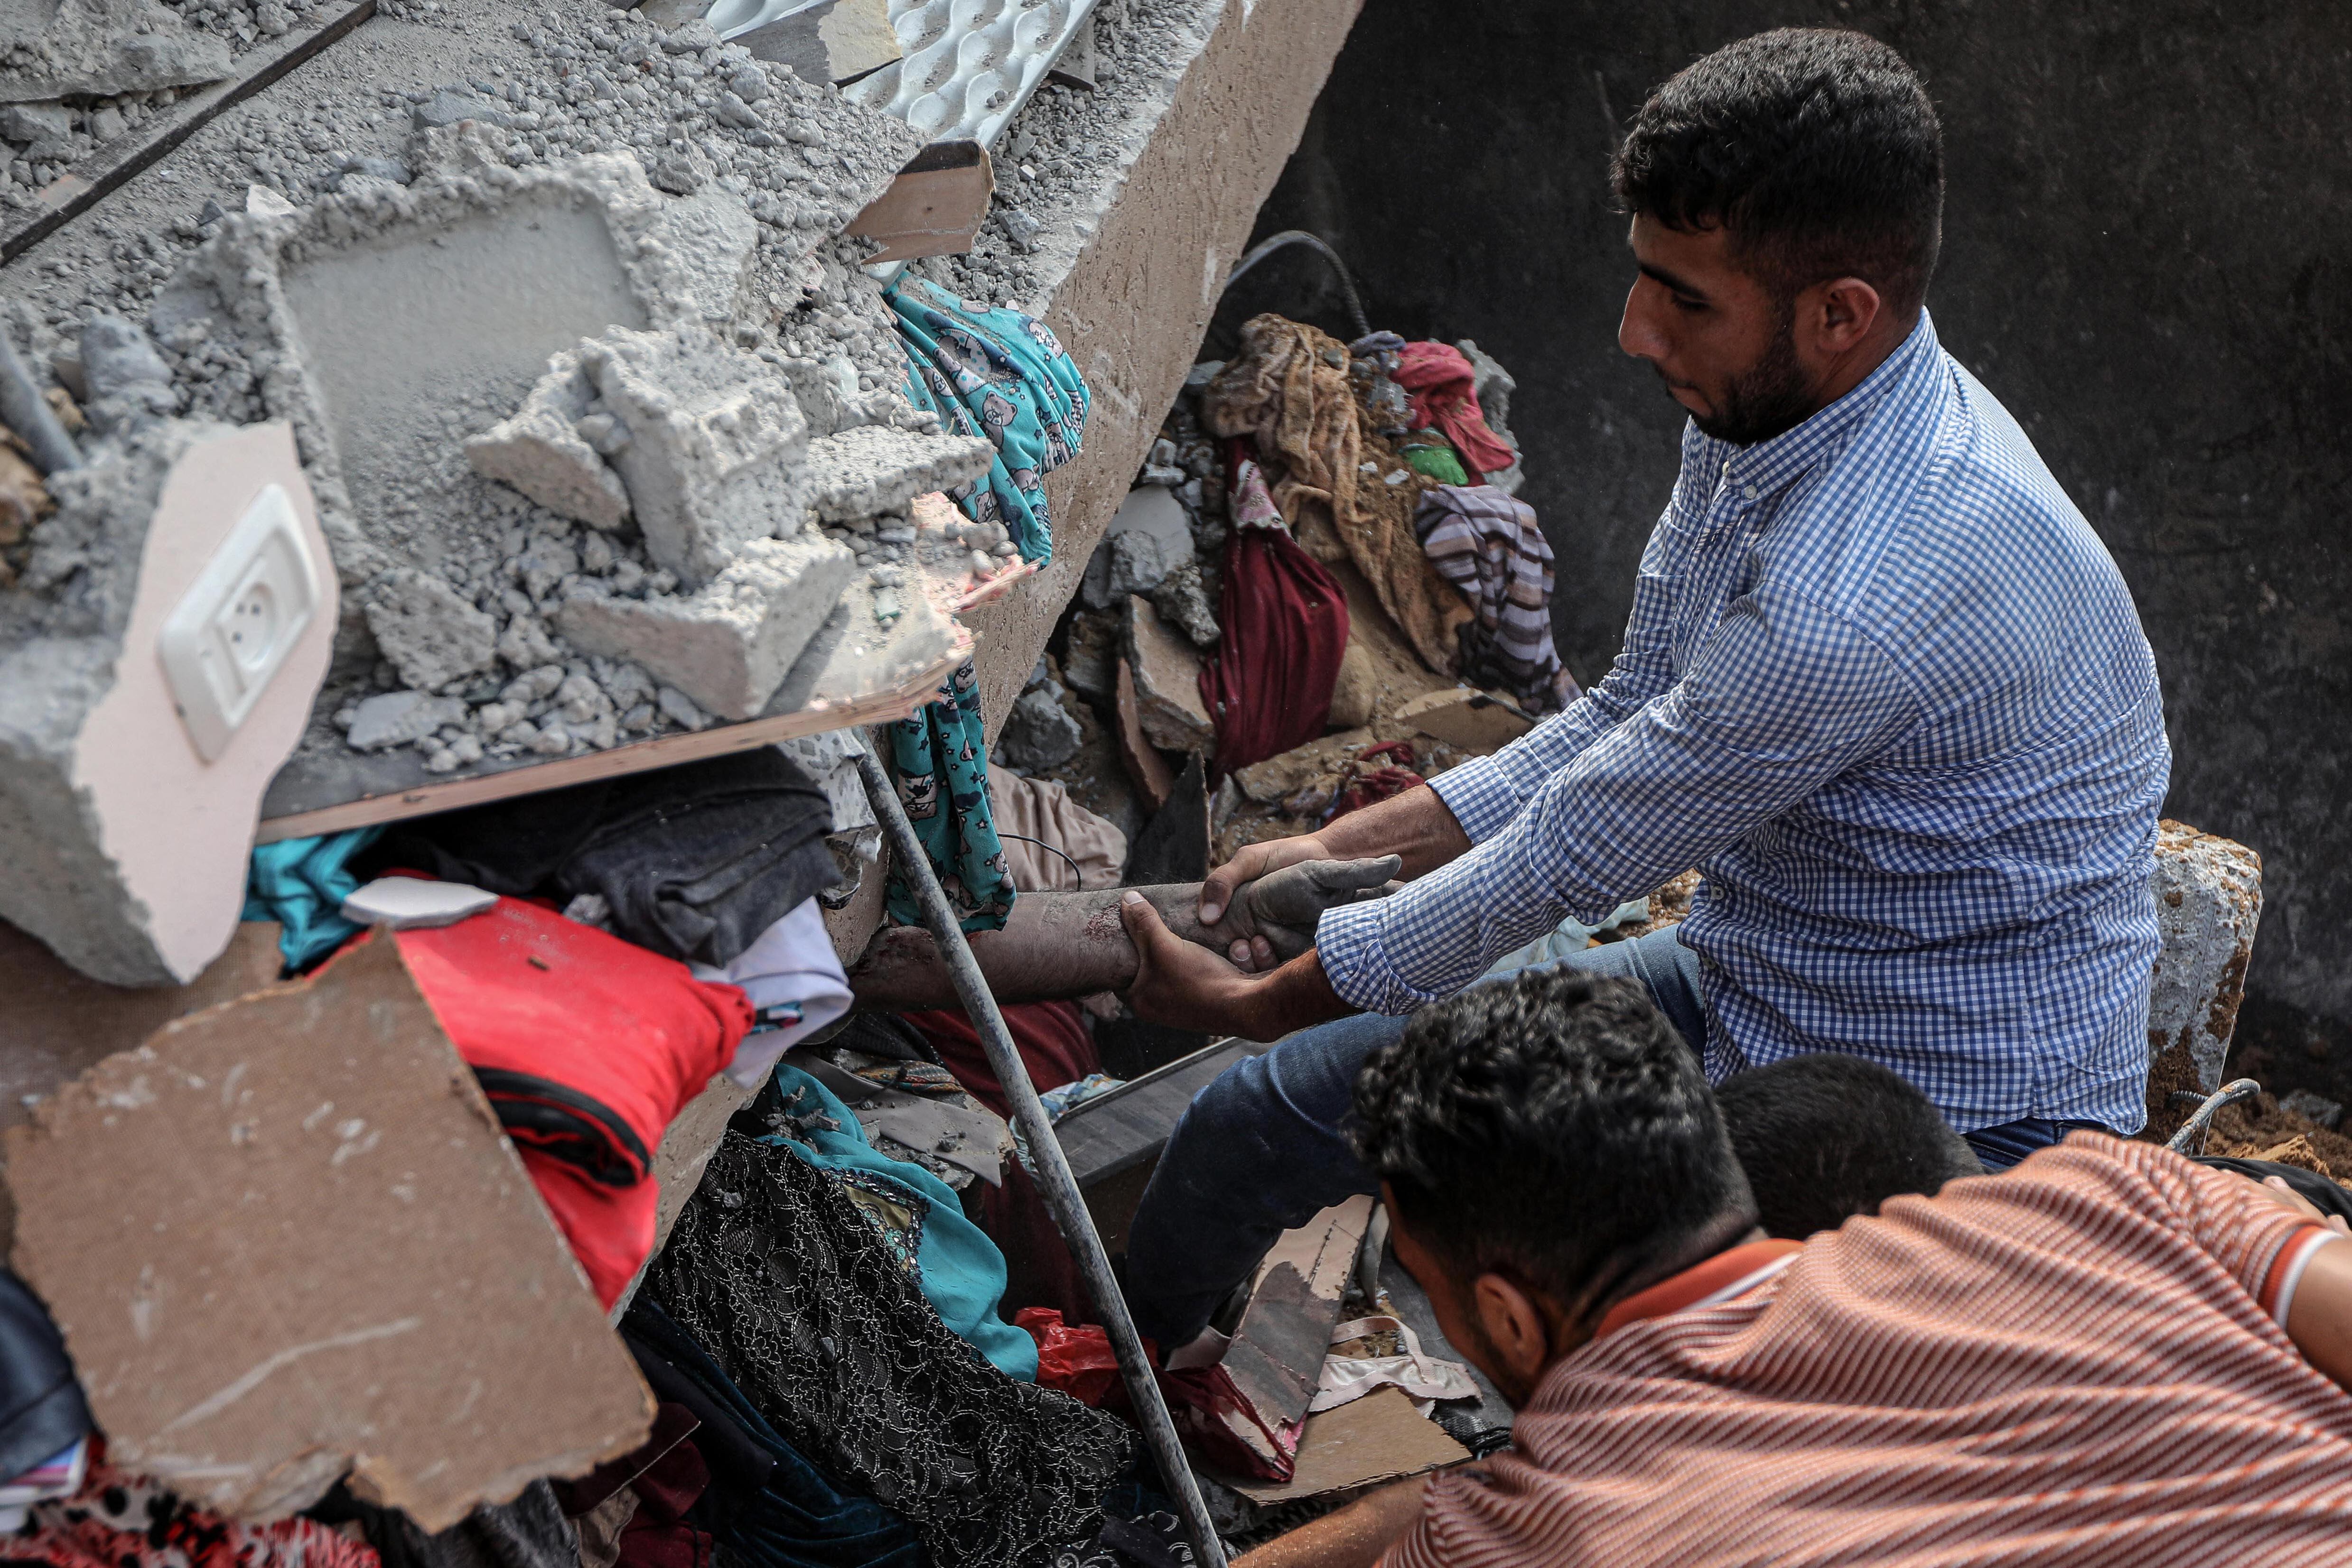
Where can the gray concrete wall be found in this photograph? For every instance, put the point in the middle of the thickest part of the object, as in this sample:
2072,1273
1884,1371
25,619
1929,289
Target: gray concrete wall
2148,259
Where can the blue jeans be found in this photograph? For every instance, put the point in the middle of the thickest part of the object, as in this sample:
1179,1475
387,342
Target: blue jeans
1260,1150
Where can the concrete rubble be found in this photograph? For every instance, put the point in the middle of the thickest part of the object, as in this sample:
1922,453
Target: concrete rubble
2209,901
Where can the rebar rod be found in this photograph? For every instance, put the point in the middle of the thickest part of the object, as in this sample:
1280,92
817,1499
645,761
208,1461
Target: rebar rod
1052,1169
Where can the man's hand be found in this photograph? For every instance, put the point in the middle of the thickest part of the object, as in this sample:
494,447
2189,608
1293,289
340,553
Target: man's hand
1272,918
1188,986
1254,860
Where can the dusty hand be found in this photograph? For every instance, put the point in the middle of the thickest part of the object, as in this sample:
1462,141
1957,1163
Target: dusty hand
1272,919
2288,1198
1181,983
1254,860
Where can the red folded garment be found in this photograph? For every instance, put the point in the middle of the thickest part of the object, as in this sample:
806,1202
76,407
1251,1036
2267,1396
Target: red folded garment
588,1046
610,1229
1444,393
1268,687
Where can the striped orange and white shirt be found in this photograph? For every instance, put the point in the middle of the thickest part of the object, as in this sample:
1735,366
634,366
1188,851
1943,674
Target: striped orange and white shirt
2078,1361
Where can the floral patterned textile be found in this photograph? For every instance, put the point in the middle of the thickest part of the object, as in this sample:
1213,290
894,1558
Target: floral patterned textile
119,1521
941,758
995,372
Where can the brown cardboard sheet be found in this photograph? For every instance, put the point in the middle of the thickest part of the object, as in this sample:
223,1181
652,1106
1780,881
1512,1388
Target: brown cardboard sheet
285,1237
1380,1438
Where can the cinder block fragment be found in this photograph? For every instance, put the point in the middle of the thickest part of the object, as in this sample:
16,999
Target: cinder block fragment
2209,900
870,469
714,437
729,646
431,635
540,450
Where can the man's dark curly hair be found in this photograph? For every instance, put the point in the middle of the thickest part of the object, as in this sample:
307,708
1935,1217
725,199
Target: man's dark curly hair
1553,1128
1817,148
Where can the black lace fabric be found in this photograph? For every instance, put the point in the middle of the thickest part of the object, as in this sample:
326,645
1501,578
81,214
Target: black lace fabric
796,1295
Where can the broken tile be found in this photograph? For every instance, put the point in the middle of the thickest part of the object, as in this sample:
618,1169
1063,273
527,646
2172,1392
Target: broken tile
1167,683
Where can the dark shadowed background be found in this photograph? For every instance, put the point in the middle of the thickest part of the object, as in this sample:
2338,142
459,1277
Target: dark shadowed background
2148,257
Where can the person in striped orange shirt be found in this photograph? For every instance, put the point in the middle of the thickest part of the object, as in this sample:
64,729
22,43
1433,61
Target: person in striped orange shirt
2108,1354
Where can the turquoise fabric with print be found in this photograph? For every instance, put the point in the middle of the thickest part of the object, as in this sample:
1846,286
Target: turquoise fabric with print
962,1272
301,884
988,371
940,755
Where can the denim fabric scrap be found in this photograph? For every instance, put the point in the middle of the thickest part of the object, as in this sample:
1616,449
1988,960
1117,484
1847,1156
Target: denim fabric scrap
941,756
997,373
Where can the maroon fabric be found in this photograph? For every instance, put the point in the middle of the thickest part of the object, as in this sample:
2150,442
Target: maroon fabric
1268,687
657,1535
1443,391
1056,1048
1379,773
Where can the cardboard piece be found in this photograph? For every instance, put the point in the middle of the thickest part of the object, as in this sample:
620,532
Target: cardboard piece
285,1237
1476,722
1366,1442
1244,1412
56,1021
934,207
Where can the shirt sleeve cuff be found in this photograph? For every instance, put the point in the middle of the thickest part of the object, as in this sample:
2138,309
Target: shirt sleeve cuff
1481,795
1347,942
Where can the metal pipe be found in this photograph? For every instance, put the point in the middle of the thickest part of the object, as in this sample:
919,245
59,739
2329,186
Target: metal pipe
2202,1117
24,410
1272,243
1052,1172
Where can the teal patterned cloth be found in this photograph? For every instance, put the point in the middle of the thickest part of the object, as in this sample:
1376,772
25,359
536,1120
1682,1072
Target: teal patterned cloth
940,756
990,372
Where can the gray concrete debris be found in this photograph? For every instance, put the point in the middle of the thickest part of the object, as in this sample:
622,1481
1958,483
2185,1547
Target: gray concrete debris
395,719
431,635
33,123
714,437
1182,599
1039,732
448,108
2209,901
730,646
1146,539
875,469
124,377
545,450
1167,683
1090,657
101,47
411,904
2318,1107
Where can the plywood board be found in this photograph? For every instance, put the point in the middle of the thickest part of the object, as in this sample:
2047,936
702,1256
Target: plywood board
285,1237
1380,1438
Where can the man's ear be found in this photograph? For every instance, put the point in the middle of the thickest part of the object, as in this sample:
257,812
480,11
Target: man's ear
1838,315
1517,1329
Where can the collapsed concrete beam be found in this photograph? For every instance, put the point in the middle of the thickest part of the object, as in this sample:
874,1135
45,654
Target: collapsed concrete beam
874,469
729,646
101,47
2209,901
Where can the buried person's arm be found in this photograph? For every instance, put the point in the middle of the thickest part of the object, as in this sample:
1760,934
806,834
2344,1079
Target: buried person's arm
1353,1537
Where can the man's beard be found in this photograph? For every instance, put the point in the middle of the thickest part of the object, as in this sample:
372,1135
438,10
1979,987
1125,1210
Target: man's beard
1767,398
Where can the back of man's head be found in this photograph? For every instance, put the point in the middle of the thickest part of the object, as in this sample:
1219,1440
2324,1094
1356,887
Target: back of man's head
1825,1137
1553,1128
1817,148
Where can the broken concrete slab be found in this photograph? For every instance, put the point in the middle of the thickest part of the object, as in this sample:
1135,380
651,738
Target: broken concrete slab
431,635
871,470
99,48
829,42
729,646
1146,768
1167,683
395,719
285,1238
1039,734
543,448
125,848
1147,538
1279,776
1473,721
2208,902
714,434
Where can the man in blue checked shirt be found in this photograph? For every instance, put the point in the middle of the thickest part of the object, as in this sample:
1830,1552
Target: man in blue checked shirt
1881,683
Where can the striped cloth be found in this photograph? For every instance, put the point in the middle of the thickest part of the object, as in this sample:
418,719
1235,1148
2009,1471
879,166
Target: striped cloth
1487,545
2078,1362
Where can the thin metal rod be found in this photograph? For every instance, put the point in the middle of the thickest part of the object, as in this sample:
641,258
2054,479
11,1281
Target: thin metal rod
1272,243
1053,1168
24,410
2202,1117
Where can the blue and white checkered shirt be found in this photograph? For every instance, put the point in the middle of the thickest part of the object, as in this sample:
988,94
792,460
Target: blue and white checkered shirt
1885,688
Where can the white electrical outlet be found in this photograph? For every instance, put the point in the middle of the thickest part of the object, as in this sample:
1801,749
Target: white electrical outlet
235,626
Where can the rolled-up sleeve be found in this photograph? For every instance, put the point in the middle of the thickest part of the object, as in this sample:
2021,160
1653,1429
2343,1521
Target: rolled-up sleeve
1786,695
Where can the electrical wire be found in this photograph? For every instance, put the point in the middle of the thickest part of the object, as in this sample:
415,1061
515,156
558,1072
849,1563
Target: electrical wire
1272,243
1049,849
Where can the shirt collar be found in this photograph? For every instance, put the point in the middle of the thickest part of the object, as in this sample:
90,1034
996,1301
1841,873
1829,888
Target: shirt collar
1720,1278
1768,466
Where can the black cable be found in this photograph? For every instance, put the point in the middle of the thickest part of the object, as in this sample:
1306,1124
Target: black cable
1050,850
1272,243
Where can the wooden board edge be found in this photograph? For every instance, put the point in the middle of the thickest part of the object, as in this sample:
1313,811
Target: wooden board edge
423,800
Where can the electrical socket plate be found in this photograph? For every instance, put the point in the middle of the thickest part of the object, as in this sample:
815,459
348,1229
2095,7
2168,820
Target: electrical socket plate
233,629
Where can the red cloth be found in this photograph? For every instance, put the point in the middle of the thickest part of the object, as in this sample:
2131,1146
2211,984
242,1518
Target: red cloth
1078,1361
1056,1048
611,1229
1268,687
1361,786
587,1045
658,1535
119,1520
1443,392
